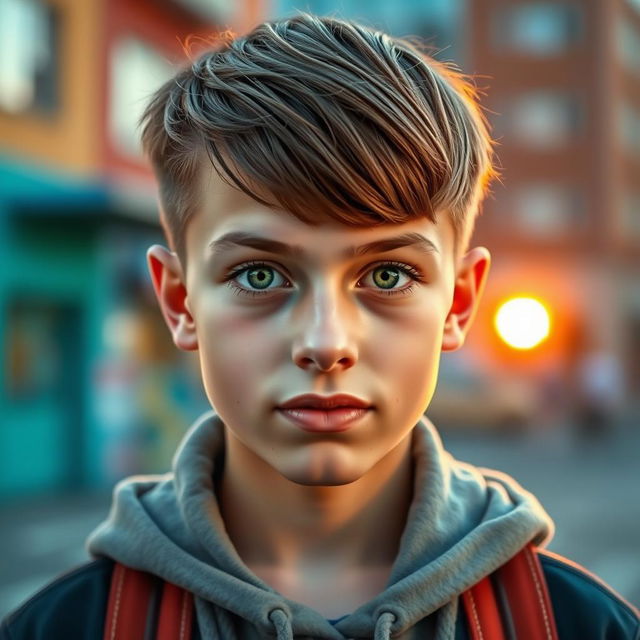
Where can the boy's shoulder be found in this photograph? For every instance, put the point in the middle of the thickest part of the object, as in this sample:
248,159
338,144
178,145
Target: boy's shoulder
585,606
74,605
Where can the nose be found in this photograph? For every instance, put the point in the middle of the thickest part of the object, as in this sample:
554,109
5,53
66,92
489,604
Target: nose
324,333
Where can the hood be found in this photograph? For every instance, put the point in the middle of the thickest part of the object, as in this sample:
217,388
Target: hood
464,522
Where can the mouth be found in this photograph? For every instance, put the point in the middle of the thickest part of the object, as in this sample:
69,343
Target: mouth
315,420
325,414
326,403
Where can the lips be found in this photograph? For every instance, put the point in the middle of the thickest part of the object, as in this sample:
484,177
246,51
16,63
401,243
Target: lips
313,401
320,421
325,414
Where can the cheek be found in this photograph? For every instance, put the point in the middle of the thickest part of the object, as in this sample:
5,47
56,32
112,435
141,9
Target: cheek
410,358
235,353
410,341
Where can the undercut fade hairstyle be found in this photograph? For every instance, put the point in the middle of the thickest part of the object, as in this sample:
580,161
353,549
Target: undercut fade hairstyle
324,118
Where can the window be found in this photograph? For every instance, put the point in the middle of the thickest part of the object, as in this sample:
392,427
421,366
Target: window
628,45
538,29
28,56
544,119
546,209
631,212
213,10
635,4
34,350
628,122
136,72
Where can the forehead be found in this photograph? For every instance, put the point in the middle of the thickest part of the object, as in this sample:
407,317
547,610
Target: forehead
227,214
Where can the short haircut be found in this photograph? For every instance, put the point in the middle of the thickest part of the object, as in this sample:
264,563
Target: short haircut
324,118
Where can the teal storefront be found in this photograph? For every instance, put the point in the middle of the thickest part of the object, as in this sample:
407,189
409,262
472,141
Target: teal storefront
91,388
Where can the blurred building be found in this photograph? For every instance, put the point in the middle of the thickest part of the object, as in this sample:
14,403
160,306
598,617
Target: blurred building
92,388
564,226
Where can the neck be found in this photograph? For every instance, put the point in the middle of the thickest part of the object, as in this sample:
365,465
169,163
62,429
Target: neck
279,524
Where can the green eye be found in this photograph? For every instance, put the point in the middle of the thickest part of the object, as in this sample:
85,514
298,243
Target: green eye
386,277
260,277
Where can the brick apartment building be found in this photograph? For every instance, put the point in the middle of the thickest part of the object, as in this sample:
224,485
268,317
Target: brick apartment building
564,101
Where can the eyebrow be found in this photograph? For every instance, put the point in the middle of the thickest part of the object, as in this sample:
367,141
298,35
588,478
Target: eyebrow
247,239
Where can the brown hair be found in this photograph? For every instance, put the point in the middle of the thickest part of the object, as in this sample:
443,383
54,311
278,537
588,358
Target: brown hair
321,117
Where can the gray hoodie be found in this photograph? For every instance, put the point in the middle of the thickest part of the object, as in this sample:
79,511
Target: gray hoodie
463,523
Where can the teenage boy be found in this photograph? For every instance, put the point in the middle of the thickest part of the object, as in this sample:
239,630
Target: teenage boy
318,186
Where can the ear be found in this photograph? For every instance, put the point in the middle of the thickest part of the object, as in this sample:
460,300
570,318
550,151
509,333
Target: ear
168,283
470,281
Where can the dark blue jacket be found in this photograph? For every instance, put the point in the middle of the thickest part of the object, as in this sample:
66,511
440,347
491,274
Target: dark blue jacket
73,606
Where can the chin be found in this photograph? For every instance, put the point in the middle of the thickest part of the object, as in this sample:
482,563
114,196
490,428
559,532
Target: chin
326,472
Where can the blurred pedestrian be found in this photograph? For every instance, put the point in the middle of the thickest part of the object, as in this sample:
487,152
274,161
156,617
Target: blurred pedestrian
600,394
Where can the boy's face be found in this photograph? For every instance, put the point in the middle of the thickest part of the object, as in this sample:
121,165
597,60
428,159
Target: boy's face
319,321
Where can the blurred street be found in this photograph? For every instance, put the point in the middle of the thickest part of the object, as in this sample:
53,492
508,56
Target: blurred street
589,489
